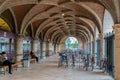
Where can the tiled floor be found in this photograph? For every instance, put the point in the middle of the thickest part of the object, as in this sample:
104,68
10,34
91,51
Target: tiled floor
48,69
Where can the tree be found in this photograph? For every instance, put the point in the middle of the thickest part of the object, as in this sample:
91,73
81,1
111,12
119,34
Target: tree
75,45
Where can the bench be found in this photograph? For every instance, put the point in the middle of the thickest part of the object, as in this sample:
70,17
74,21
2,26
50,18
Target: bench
16,65
33,60
5,68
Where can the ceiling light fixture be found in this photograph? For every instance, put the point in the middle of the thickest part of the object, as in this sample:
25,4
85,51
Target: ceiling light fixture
63,14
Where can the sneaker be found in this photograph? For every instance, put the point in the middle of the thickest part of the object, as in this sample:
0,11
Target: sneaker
10,72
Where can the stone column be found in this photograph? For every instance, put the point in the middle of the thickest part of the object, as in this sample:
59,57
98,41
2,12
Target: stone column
41,48
80,45
95,51
62,47
53,48
34,45
95,47
88,47
116,28
91,47
47,49
19,47
50,48
83,46
35,48
56,48
101,45
44,49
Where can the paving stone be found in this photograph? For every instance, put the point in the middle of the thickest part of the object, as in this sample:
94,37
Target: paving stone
48,69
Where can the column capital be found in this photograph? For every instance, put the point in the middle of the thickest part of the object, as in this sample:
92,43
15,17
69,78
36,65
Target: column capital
62,43
36,39
116,28
57,43
88,42
45,41
20,35
101,35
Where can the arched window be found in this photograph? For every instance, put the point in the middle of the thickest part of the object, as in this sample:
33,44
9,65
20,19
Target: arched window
71,43
107,22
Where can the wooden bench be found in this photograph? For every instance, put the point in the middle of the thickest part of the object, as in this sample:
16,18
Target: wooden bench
16,65
5,68
33,60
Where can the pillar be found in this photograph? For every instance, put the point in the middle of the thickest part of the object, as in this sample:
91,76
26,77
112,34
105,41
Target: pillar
47,49
91,47
41,48
95,47
95,51
80,45
101,45
53,49
44,49
116,28
57,48
50,48
34,45
88,47
19,47
62,47
83,46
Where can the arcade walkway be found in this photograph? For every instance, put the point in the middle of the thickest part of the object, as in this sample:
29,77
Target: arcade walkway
47,70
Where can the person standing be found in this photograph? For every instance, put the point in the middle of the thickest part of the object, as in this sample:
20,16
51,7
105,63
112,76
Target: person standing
73,60
92,62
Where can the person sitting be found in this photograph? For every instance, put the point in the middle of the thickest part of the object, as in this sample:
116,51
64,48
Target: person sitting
32,54
5,61
26,56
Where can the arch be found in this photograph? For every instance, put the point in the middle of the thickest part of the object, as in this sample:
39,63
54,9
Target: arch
94,16
55,27
4,5
11,3
81,28
15,21
80,32
71,43
107,22
62,39
38,30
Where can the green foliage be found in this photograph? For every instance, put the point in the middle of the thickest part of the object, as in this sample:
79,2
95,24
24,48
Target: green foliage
71,44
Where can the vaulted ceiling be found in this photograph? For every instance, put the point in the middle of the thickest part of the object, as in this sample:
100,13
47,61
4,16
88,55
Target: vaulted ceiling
56,19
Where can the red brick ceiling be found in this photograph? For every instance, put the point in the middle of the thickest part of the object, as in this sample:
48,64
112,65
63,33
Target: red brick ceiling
71,15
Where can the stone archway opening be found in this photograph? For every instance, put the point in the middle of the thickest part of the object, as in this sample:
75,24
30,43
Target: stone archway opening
71,43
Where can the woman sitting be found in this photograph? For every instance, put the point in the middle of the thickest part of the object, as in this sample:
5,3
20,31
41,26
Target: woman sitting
5,61
33,55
